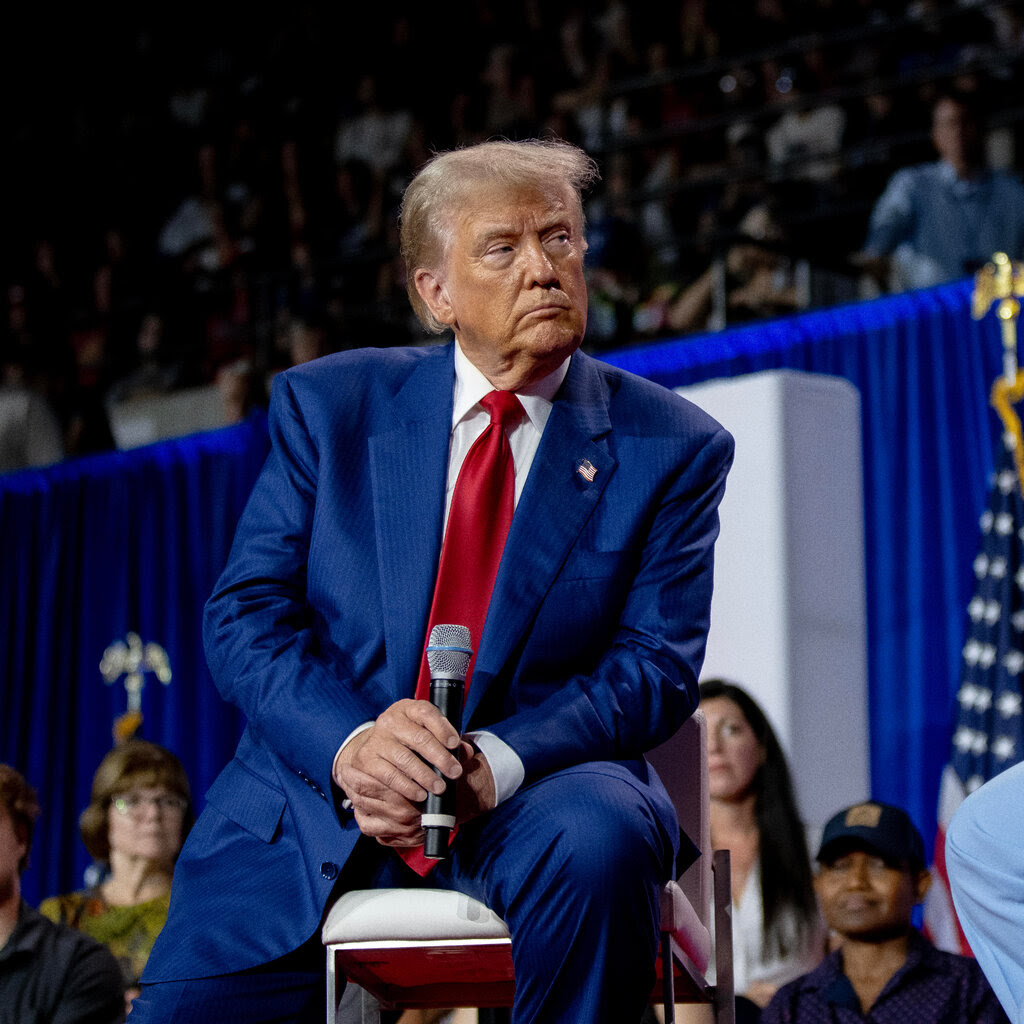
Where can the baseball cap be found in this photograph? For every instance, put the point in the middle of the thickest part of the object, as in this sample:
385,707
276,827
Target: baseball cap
882,828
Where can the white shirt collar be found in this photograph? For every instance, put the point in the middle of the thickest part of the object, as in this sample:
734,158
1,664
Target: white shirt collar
471,385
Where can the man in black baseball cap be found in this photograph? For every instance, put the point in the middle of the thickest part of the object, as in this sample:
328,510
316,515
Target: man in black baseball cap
881,828
871,874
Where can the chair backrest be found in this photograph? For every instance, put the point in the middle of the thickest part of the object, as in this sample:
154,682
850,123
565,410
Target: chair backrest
682,765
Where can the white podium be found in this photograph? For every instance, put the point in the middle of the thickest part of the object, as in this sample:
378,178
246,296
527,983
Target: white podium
788,613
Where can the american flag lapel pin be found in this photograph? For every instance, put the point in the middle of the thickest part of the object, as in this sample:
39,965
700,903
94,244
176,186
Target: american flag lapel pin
587,470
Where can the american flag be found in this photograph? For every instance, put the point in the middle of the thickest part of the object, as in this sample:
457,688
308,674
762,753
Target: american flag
988,735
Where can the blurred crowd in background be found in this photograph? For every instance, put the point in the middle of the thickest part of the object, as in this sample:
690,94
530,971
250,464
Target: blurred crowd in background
208,193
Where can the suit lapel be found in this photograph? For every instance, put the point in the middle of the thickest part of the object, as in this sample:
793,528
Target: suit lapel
409,466
554,507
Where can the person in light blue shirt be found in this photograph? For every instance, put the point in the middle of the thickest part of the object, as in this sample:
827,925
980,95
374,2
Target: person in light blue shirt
940,221
985,864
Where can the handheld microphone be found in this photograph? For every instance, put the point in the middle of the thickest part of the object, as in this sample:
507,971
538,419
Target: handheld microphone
448,654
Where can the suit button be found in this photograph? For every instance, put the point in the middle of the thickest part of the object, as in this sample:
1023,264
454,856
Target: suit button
329,870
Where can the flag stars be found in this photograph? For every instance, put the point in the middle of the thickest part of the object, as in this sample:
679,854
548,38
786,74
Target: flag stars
986,520
1003,748
988,611
970,741
975,782
981,565
1013,661
997,568
977,653
1019,578
972,696
1006,480
1018,620
1004,524
963,739
1008,704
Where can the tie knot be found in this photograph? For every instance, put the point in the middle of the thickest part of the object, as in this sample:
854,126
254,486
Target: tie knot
504,408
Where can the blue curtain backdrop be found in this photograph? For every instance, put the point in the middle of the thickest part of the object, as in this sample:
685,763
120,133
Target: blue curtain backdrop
134,541
92,549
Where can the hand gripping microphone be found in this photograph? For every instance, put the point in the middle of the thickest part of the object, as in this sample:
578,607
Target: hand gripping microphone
448,654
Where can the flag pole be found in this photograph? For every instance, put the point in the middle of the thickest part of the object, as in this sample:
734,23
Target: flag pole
1000,284
987,735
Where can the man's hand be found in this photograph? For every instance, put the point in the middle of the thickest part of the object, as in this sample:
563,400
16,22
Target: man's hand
476,792
386,770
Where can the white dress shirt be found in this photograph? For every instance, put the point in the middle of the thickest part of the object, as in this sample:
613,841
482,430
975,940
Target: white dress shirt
469,420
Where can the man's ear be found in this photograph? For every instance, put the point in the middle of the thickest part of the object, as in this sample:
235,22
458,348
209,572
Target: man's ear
433,292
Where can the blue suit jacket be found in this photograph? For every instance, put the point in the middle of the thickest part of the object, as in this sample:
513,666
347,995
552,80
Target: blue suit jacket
591,650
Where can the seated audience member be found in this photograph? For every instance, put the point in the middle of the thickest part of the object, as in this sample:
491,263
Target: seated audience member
30,434
871,874
48,974
778,933
139,813
758,280
985,862
937,222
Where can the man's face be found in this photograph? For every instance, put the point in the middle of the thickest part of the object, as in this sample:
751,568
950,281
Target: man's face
511,285
955,136
863,897
12,849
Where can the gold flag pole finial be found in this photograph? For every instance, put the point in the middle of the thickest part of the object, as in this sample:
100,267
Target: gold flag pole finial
132,658
1001,283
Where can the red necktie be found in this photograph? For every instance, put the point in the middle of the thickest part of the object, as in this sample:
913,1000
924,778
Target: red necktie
478,524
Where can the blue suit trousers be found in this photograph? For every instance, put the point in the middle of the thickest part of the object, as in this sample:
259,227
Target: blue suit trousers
599,842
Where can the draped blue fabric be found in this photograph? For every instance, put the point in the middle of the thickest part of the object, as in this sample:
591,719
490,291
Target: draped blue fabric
91,549
134,541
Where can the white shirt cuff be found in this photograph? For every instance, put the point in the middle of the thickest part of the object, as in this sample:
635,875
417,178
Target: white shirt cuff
506,766
346,803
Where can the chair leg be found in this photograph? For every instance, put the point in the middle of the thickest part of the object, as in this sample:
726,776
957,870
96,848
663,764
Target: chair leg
668,980
355,1005
369,1008
725,994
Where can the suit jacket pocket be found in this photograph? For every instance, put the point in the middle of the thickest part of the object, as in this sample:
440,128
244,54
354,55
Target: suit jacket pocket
247,800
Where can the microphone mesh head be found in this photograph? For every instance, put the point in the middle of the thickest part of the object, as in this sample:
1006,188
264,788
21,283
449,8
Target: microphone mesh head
448,651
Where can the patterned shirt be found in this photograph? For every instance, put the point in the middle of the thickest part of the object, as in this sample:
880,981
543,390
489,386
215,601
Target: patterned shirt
128,932
932,987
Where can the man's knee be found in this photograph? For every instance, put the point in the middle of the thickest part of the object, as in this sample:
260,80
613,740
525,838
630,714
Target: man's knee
599,826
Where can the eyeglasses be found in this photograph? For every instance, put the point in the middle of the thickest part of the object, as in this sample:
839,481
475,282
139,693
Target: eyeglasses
133,804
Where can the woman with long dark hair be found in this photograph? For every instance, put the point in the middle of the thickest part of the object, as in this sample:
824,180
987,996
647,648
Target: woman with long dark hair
778,932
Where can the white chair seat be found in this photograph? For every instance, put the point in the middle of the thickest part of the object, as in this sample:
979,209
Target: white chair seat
436,948
410,915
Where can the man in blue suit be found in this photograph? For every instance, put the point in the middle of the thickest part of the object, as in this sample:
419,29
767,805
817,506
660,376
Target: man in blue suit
589,656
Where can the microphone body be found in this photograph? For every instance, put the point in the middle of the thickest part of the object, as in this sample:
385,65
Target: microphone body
448,654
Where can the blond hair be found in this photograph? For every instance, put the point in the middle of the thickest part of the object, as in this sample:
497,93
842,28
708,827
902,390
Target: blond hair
445,181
